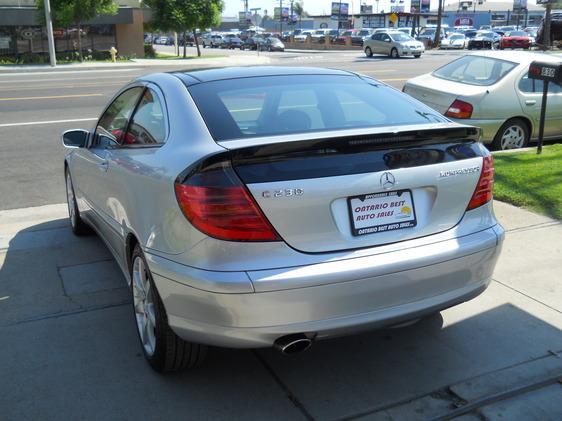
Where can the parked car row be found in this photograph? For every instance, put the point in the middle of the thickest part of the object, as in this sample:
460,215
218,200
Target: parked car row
488,39
232,41
357,36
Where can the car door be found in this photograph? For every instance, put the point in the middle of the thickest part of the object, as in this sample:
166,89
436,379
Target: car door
386,44
129,168
529,92
375,43
90,165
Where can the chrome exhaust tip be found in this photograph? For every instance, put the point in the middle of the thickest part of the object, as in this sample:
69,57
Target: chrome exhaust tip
292,344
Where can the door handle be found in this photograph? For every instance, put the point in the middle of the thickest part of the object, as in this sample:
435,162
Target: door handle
530,102
103,166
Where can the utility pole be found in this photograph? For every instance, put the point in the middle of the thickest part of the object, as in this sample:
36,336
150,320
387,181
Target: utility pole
50,37
281,17
546,27
437,38
291,16
339,16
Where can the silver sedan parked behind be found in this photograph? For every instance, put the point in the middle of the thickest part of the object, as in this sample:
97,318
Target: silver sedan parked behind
258,207
492,91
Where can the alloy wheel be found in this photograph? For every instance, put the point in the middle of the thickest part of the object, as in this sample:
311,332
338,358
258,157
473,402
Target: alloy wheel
143,301
513,137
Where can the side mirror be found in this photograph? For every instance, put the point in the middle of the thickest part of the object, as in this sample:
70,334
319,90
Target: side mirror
77,138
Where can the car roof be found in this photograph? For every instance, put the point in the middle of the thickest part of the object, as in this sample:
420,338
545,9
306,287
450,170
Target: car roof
520,56
211,75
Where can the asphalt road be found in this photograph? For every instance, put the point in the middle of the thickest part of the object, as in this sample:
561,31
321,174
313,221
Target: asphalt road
70,349
35,108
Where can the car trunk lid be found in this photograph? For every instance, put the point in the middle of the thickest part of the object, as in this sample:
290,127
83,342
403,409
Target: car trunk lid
438,93
347,192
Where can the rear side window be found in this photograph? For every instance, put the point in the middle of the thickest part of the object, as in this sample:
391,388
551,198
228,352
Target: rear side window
113,123
535,86
277,105
148,125
475,70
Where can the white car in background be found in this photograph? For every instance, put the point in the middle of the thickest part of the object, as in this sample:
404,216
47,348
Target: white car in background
454,42
303,36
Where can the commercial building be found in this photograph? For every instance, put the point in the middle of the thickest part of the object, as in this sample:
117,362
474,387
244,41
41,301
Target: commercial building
477,13
21,32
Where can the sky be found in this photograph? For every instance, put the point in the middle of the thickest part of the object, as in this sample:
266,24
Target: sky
314,7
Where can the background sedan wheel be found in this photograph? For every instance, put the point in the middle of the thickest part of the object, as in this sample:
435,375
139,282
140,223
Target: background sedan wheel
394,53
368,52
513,134
162,348
78,226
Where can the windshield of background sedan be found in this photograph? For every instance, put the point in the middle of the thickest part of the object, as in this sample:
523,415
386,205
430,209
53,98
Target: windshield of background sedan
475,70
276,105
401,37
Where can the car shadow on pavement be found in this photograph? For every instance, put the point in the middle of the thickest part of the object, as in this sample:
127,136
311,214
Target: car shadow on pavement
74,352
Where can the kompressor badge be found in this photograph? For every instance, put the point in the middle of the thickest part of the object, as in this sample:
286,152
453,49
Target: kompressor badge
459,171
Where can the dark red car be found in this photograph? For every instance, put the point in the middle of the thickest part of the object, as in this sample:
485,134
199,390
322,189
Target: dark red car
516,39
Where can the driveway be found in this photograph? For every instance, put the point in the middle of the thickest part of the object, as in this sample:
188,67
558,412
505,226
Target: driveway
69,348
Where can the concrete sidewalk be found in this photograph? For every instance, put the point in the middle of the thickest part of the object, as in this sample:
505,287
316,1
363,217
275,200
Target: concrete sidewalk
70,350
209,61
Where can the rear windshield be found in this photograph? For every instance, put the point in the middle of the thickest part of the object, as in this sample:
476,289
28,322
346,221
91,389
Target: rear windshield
277,105
475,70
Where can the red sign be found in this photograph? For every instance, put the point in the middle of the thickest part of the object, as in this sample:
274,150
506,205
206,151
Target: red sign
464,21
58,33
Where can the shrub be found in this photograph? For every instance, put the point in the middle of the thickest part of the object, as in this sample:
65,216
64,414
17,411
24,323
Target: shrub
149,51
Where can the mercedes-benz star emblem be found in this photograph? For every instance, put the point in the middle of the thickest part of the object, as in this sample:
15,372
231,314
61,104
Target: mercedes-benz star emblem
387,180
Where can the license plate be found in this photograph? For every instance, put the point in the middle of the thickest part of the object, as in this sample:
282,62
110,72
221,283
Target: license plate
381,212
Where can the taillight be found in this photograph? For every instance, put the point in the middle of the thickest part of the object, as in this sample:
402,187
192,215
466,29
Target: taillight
485,187
216,202
459,109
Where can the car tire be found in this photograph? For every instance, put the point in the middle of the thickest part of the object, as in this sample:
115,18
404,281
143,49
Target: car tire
368,52
417,55
394,53
162,348
513,134
78,226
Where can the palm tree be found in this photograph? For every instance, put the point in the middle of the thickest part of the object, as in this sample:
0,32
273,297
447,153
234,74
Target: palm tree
298,10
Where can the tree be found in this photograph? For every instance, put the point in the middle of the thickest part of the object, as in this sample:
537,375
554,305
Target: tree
76,12
298,9
437,38
183,16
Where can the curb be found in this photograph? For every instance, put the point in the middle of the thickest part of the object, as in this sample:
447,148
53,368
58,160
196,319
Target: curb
136,63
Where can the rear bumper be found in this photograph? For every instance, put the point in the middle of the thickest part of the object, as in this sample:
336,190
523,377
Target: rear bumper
489,127
221,309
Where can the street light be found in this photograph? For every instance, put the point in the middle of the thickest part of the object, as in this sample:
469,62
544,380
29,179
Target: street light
50,37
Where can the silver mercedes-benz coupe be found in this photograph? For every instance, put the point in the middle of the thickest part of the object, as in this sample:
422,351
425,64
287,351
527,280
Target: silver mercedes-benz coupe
275,206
